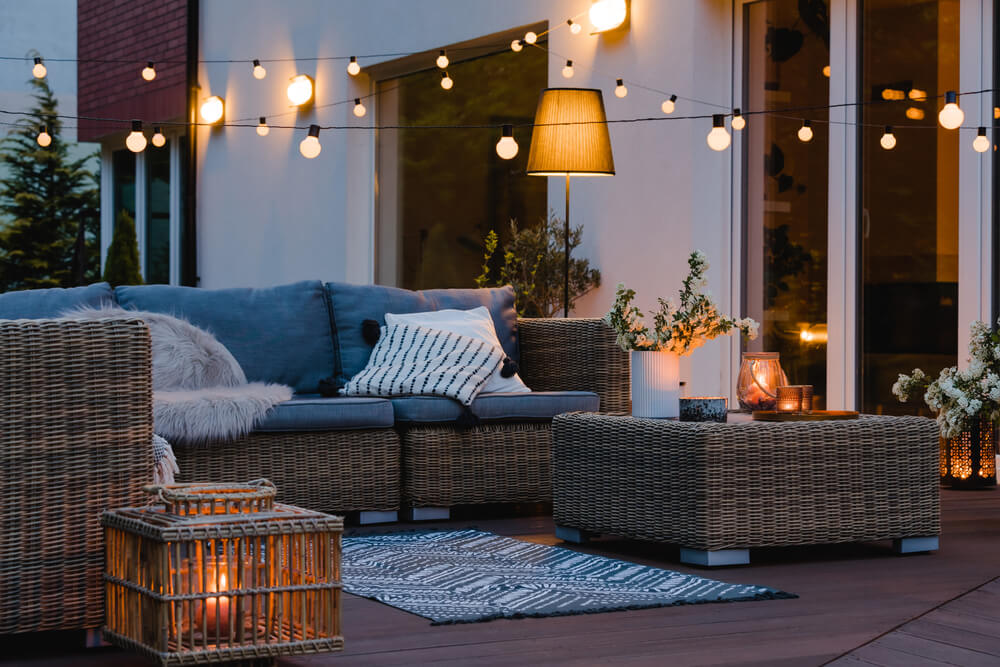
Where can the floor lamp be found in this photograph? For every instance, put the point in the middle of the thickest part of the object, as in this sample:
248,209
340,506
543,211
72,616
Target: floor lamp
570,138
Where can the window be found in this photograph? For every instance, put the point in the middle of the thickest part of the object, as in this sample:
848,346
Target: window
908,237
440,192
148,186
786,59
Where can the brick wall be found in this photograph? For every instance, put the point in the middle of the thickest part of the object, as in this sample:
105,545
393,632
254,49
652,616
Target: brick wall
131,31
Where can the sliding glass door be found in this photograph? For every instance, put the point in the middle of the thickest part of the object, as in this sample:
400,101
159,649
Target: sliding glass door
908,237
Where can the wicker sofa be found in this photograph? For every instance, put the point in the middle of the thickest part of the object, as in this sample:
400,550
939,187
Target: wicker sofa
76,423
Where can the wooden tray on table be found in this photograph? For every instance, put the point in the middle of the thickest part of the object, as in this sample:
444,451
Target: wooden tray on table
810,416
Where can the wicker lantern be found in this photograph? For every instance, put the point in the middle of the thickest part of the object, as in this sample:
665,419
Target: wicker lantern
220,573
968,460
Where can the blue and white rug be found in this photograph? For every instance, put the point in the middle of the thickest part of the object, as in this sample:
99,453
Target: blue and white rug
466,576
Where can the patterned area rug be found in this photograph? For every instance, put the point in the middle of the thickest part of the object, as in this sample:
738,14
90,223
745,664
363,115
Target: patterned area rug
467,576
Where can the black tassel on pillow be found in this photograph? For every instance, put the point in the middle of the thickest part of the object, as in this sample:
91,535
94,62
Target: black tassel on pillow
467,419
329,387
509,368
371,331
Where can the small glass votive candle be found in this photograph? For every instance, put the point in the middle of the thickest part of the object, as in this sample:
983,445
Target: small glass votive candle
704,409
790,399
807,397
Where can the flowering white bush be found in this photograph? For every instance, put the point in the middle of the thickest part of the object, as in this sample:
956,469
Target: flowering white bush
680,329
959,397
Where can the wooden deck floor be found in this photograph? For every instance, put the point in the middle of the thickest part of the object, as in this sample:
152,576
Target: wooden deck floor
857,603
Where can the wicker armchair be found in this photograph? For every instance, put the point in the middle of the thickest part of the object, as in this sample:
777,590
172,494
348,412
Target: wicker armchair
510,462
76,423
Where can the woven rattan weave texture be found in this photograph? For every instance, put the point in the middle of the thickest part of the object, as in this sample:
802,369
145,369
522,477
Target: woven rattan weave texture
76,424
575,354
326,471
493,463
730,486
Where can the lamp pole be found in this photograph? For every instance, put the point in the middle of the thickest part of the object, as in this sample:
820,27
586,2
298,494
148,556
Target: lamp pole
566,256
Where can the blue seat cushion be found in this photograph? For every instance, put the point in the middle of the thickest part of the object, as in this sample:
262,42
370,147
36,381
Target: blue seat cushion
536,406
278,334
312,412
37,304
353,304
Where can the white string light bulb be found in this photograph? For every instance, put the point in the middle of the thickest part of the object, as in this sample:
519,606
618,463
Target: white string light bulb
574,28
158,139
442,60
620,89
39,70
568,71
806,132
310,146
136,140
44,138
446,81
718,139
353,68
951,116
888,140
516,46
149,72
530,37
507,146
300,89
981,143
212,109
669,105
738,122
262,129
359,108
258,70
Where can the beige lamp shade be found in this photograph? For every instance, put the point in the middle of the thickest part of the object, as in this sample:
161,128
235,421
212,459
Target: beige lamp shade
570,136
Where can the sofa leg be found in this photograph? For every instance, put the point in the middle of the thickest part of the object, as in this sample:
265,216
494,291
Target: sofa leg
715,558
427,514
369,516
575,535
912,545
94,638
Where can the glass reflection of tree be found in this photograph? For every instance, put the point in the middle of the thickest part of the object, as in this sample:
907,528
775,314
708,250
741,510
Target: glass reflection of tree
454,189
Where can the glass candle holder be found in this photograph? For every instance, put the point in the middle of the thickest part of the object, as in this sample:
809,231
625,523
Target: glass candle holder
789,399
759,378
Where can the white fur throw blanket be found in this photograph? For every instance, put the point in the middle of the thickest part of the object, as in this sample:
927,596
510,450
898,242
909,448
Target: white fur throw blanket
200,393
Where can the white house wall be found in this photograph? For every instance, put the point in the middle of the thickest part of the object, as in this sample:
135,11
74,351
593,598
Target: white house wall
267,216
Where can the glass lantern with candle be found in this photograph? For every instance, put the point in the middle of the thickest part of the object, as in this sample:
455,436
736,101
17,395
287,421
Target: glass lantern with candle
758,381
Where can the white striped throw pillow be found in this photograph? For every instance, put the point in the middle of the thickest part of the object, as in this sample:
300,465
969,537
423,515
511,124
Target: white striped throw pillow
412,360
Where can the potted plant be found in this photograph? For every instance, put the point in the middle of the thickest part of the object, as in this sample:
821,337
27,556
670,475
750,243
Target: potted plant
677,331
967,404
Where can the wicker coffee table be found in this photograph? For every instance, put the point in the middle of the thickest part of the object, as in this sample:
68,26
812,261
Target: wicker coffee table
719,490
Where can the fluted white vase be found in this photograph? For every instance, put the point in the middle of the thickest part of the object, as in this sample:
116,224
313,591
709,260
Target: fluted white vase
656,388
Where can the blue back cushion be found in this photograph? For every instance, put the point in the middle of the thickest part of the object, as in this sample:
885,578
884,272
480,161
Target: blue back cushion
353,304
37,304
278,334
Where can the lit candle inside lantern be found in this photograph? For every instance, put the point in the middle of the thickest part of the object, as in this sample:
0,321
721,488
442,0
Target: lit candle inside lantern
789,399
217,609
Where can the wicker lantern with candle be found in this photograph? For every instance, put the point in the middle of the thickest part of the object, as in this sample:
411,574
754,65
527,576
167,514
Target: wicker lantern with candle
220,573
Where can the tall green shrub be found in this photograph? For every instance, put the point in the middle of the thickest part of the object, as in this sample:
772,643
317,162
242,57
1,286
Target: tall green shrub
122,265
49,205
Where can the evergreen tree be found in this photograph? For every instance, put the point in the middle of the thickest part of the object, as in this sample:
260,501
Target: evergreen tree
122,265
49,205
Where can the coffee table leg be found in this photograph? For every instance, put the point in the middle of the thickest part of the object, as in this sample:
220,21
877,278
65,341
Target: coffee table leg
575,535
911,545
715,558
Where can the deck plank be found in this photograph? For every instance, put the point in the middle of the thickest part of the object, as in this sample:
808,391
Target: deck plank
851,596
